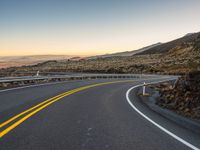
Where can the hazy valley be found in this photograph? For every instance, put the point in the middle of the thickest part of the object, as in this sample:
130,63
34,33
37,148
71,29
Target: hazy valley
14,61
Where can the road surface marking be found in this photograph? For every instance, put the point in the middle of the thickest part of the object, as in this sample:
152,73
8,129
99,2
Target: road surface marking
26,111
35,85
46,103
30,109
153,122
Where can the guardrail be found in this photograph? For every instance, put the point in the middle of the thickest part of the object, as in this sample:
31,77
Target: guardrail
10,82
83,76
74,76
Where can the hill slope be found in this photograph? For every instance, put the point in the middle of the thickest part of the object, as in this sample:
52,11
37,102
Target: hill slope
176,57
185,41
126,53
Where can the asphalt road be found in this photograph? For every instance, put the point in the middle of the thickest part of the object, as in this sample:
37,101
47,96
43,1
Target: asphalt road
95,118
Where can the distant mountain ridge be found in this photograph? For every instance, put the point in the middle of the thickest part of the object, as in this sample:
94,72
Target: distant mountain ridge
184,41
188,34
126,53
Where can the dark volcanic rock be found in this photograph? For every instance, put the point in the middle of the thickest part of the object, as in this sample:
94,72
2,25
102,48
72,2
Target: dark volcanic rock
184,97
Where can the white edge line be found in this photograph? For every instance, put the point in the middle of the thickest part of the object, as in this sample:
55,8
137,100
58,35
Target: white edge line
28,86
35,85
153,122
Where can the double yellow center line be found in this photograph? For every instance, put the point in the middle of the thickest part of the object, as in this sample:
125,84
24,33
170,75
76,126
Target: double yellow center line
35,109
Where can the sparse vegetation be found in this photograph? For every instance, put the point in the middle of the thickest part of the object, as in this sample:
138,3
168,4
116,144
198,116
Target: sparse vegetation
179,57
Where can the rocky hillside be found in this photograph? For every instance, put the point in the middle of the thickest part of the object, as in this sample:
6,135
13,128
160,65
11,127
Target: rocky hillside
184,97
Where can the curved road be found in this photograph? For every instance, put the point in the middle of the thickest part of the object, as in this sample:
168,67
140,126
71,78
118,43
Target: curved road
94,118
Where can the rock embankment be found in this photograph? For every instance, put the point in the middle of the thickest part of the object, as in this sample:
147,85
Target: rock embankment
182,97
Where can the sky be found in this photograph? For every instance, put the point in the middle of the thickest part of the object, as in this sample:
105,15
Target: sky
92,27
